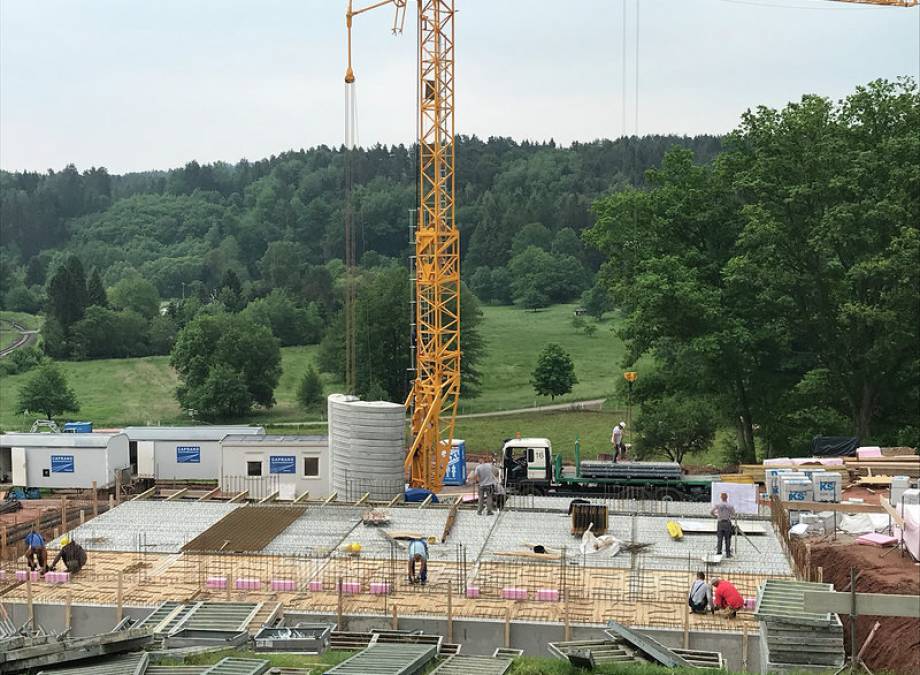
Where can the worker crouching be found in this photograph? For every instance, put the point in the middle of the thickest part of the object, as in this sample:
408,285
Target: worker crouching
72,554
36,554
418,562
726,596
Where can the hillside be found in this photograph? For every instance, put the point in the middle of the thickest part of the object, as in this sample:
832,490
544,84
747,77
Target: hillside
116,392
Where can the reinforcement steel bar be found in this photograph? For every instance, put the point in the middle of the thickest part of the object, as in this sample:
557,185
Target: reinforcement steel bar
247,529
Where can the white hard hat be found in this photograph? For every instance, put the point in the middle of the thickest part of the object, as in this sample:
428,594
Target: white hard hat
622,424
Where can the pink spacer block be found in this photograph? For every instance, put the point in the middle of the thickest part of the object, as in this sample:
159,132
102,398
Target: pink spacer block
750,603
216,582
316,585
248,584
472,591
380,587
351,587
548,595
510,593
283,585
22,575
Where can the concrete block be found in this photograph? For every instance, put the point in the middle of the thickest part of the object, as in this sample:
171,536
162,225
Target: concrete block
283,585
512,593
216,582
248,584
380,587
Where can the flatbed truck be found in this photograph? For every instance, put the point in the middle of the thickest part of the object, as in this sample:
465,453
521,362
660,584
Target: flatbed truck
528,466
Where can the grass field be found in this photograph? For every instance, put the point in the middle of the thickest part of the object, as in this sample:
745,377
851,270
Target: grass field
514,340
115,392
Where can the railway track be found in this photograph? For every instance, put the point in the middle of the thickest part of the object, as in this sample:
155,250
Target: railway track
25,337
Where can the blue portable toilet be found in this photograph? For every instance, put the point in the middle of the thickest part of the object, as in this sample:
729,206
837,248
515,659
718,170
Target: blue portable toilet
78,427
456,467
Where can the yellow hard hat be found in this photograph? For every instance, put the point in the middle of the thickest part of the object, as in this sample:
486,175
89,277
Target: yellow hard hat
65,540
355,547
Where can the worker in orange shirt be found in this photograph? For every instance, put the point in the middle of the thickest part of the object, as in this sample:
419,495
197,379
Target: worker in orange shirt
726,596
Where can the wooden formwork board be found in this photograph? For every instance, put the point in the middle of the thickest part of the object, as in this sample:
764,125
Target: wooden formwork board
633,597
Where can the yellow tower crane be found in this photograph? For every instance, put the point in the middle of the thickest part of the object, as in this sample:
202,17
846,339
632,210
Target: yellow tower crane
432,402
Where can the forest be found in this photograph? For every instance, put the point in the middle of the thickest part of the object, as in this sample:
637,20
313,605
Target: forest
769,274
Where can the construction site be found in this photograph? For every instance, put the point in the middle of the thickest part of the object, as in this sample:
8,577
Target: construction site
237,545
325,562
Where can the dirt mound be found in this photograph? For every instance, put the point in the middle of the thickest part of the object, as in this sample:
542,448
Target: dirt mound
896,645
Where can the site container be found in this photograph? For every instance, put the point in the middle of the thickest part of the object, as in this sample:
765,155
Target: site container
181,453
289,465
63,460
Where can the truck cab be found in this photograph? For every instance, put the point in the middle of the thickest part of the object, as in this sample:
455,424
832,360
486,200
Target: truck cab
527,465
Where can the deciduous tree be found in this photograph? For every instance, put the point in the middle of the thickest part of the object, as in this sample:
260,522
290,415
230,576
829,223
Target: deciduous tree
554,374
47,391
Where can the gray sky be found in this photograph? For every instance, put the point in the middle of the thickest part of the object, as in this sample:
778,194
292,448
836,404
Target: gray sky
132,85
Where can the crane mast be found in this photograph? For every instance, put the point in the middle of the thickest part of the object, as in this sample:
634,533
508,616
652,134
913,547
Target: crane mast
432,402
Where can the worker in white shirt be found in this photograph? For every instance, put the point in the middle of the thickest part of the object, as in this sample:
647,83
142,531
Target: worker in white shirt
619,447
484,477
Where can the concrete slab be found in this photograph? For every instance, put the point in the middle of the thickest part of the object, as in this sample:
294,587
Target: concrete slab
151,527
318,532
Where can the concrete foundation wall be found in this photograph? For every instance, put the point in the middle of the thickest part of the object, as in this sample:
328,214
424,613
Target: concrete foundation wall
478,636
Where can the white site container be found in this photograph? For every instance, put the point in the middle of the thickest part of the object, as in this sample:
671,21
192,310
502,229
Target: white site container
288,465
827,486
181,453
64,461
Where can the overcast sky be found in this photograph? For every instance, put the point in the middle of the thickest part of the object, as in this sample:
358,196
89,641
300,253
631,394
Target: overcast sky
133,85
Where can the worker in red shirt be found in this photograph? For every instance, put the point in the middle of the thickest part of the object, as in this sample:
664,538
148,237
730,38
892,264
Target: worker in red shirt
725,595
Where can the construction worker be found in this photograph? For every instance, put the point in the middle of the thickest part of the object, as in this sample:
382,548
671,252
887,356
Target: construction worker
619,447
418,554
723,512
700,595
73,555
726,596
484,477
36,555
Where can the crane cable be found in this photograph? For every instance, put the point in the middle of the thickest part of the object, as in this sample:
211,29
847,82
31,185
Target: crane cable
351,141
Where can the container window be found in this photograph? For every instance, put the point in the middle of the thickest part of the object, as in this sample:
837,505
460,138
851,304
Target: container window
254,468
530,455
311,466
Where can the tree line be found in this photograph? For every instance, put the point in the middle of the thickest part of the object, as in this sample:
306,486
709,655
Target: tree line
777,286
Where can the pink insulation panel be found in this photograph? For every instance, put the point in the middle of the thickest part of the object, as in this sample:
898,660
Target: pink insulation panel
380,587
284,585
472,591
216,582
248,584
548,595
316,585
511,593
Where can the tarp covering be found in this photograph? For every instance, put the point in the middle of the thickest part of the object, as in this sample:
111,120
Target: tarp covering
834,446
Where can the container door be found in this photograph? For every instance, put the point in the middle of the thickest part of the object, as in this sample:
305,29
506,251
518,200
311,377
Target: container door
18,457
145,459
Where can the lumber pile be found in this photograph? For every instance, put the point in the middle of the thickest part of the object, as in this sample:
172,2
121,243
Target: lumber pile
894,465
